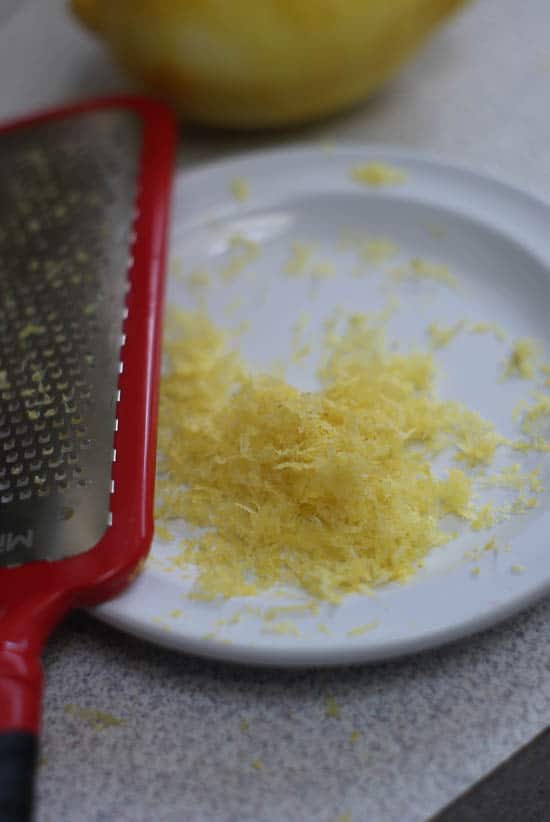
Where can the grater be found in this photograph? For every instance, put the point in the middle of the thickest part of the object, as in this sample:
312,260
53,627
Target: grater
83,213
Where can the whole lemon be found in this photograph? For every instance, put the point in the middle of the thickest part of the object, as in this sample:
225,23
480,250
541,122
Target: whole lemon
261,63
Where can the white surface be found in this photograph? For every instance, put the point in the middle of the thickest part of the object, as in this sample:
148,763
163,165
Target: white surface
493,238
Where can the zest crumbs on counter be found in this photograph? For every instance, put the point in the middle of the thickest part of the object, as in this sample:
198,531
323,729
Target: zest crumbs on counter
332,709
98,720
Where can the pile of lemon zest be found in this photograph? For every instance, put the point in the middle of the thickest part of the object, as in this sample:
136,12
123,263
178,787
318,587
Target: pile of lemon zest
440,335
239,188
360,630
331,490
522,360
377,175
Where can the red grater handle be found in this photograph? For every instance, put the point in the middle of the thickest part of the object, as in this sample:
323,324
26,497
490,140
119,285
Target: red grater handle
23,630
20,689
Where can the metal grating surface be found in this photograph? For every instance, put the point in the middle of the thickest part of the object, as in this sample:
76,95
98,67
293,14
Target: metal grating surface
67,192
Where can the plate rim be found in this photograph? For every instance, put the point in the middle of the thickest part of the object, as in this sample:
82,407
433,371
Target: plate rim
369,650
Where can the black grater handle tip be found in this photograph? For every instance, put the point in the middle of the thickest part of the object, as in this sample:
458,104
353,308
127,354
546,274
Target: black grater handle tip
18,758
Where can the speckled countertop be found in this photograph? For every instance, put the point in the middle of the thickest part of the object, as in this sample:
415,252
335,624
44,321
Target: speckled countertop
135,733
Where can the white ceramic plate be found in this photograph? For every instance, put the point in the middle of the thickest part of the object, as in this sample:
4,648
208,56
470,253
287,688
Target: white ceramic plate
495,239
